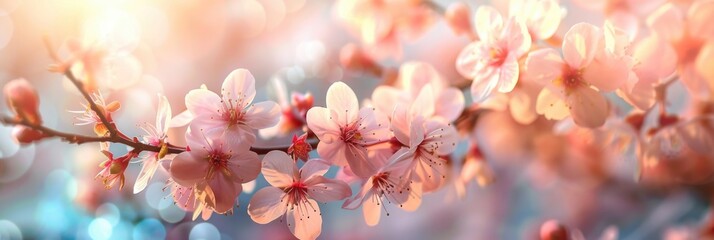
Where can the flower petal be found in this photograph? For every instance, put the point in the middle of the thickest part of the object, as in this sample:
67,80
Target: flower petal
356,201
518,40
278,169
695,83
186,170
667,21
589,108
148,168
342,100
581,43
483,86
333,150
508,74
700,19
371,209
551,105
314,167
327,190
239,86
245,165
543,66
262,115
267,205
488,23
607,72
385,98
467,60
440,138
322,121
202,102
305,221
225,190
359,163
449,104
163,115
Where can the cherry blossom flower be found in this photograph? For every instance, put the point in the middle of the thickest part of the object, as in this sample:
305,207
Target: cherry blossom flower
624,14
689,35
655,60
413,76
193,199
573,84
541,17
426,140
216,165
458,17
345,131
233,112
380,24
113,169
388,185
492,61
156,135
293,111
300,148
90,117
295,193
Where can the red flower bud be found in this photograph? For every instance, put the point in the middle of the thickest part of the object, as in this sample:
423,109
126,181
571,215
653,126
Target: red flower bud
22,98
26,135
300,148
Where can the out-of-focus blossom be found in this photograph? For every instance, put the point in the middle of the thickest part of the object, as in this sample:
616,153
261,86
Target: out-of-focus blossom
381,24
574,83
458,17
233,112
387,185
295,194
413,77
155,136
655,60
492,61
553,230
355,58
624,14
345,131
90,117
216,165
22,98
426,140
476,168
689,33
541,17
293,112
113,169
300,148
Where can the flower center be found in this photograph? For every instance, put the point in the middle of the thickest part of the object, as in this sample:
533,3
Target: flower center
231,114
498,56
570,80
296,193
350,133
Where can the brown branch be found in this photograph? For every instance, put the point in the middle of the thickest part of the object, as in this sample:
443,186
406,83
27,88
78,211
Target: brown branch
135,144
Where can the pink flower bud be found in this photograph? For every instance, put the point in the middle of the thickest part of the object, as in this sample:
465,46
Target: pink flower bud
26,135
553,230
22,99
353,57
458,17
300,148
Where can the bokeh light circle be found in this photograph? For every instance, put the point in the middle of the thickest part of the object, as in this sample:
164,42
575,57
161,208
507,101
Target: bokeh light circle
169,212
9,231
13,167
99,229
204,231
149,229
110,212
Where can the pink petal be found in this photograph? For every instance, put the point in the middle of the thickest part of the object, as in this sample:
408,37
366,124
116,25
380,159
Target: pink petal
148,168
642,96
359,163
239,86
411,197
384,98
356,201
374,126
488,23
305,221
518,40
626,21
262,115
700,19
186,170
245,165
431,170
333,150
327,190
695,83
551,105
314,167
468,59
522,106
607,72
704,62
225,191
581,43
376,27
656,58
423,104
163,115
413,76
182,119
667,21
543,66
202,102
278,169
322,121
542,17
440,138
508,74
449,104
588,107
342,100
416,132
483,86
267,205
371,209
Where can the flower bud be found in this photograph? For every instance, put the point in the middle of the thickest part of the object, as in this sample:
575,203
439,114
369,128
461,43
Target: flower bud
352,57
22,98
553,230
26,135
300,148
458,17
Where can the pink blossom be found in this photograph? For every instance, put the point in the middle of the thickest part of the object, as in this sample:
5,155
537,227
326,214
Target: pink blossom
655,60
156,135
413,76
624,14
293,111
216,165
690,36
541,17
88,116
233,112
573,84
113,169
345,131
492,61
380,24
295,193
426,140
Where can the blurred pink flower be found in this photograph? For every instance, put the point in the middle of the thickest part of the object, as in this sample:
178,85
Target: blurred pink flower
426,140
413,77
155,136
573,84
690,36
541,17
655,60
345,131
233,112
22,98
294,193
624,14
113,169
215,164
492,61
88,116
381,23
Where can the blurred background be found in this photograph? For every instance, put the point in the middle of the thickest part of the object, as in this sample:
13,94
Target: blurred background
48,191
